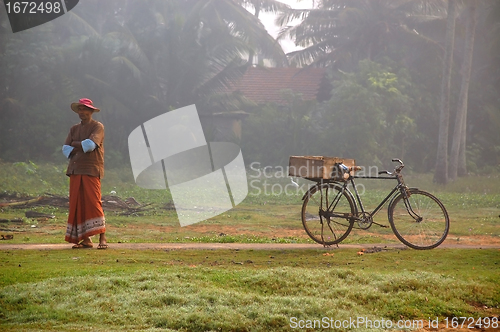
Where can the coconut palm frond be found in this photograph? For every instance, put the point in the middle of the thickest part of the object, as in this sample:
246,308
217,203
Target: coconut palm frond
121,60
286,17
127,44
270,6
86,27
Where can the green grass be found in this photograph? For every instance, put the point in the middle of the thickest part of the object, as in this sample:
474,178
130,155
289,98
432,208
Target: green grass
227,290
473,204
239,290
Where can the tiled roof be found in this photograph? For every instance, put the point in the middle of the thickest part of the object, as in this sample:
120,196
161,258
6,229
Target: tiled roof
265,84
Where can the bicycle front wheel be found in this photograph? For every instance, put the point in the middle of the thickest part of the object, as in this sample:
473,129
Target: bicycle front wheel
327,213
420,221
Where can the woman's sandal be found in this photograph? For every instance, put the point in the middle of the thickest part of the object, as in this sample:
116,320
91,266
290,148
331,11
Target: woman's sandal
102,246
82,245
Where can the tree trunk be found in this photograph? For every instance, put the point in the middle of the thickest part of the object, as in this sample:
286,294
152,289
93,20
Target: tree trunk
441,171
459,133
462,163
462,160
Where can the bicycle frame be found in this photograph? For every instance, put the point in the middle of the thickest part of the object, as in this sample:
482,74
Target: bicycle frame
401,187
390,195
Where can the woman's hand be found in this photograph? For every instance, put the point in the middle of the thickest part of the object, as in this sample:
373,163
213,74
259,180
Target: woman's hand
77,146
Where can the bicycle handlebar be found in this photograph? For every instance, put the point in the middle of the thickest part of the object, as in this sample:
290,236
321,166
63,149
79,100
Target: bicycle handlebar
397,170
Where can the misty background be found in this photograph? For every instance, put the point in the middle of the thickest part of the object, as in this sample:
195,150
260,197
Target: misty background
410,79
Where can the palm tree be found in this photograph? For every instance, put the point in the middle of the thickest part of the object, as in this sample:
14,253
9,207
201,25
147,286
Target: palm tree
483,140
140,59
258,6
457,156
342,32
441,171
169,54
206,50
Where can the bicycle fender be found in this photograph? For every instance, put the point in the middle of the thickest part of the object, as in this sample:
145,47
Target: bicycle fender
309,191
315,187
397,195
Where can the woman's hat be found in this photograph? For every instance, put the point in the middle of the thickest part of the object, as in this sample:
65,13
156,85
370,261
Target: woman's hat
84,102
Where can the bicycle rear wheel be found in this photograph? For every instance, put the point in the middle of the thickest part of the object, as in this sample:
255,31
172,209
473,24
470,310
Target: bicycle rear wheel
327,213
421,221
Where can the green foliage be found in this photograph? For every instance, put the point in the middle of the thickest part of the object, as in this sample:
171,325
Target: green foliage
341,35
137,61
274,132
374,115
369,113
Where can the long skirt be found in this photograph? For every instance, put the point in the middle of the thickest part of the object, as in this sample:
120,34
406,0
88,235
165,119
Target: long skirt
86,217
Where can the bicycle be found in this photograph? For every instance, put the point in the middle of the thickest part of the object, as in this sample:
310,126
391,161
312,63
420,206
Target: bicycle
330,210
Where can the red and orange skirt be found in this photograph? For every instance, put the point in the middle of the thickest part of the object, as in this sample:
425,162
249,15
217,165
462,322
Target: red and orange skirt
86,216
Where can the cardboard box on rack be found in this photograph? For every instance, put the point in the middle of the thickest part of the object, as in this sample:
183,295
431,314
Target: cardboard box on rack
317,167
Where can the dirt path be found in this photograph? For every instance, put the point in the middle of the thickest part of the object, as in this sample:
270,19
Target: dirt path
233,246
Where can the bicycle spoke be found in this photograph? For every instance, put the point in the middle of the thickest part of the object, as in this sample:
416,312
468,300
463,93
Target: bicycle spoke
326,220
431,226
